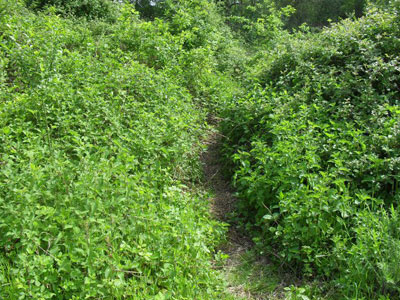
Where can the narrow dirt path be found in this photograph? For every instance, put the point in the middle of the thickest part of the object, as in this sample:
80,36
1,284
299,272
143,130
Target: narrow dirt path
222,204
249,276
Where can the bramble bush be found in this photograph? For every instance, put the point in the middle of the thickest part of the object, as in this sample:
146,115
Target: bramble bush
198,50
97,148
102,108
314,153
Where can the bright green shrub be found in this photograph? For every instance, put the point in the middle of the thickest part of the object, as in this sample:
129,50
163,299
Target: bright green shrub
314,150
94,146
372,262
189,42
207,44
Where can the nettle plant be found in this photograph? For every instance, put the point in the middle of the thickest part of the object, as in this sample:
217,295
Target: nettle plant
96,144
314,150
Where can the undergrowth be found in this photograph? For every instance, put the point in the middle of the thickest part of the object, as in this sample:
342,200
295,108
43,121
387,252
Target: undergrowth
99,142
103,106
313,150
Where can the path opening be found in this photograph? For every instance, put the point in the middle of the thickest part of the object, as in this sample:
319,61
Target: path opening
249,276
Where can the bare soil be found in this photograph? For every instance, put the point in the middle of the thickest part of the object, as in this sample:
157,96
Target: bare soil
222,204
238,243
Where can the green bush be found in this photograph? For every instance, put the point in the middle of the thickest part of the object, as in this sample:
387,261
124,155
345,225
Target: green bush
314,150
256,22
371,264
96,143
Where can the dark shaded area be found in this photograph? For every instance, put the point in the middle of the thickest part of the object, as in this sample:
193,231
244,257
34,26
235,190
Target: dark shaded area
83,9
317,13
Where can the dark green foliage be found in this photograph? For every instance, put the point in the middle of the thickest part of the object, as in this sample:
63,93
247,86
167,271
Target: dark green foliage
80,8
256,22
321,12
314,153
149,9
245,14
318,12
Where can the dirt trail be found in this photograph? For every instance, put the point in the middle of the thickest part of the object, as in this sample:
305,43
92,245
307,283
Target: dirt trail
222,204
261,280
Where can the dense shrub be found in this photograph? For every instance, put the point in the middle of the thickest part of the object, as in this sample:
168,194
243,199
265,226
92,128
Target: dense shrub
319,12
314,153
90,9
255,22
102,107
199,51
95,143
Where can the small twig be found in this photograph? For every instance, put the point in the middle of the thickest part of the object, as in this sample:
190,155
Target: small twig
282,261
127,271
209,180
220,134
48,253
134,273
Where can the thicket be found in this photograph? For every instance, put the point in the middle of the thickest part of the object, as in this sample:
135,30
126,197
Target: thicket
255,22
100,125
102,107
247,17
314,153
244,15
92,9
319,12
